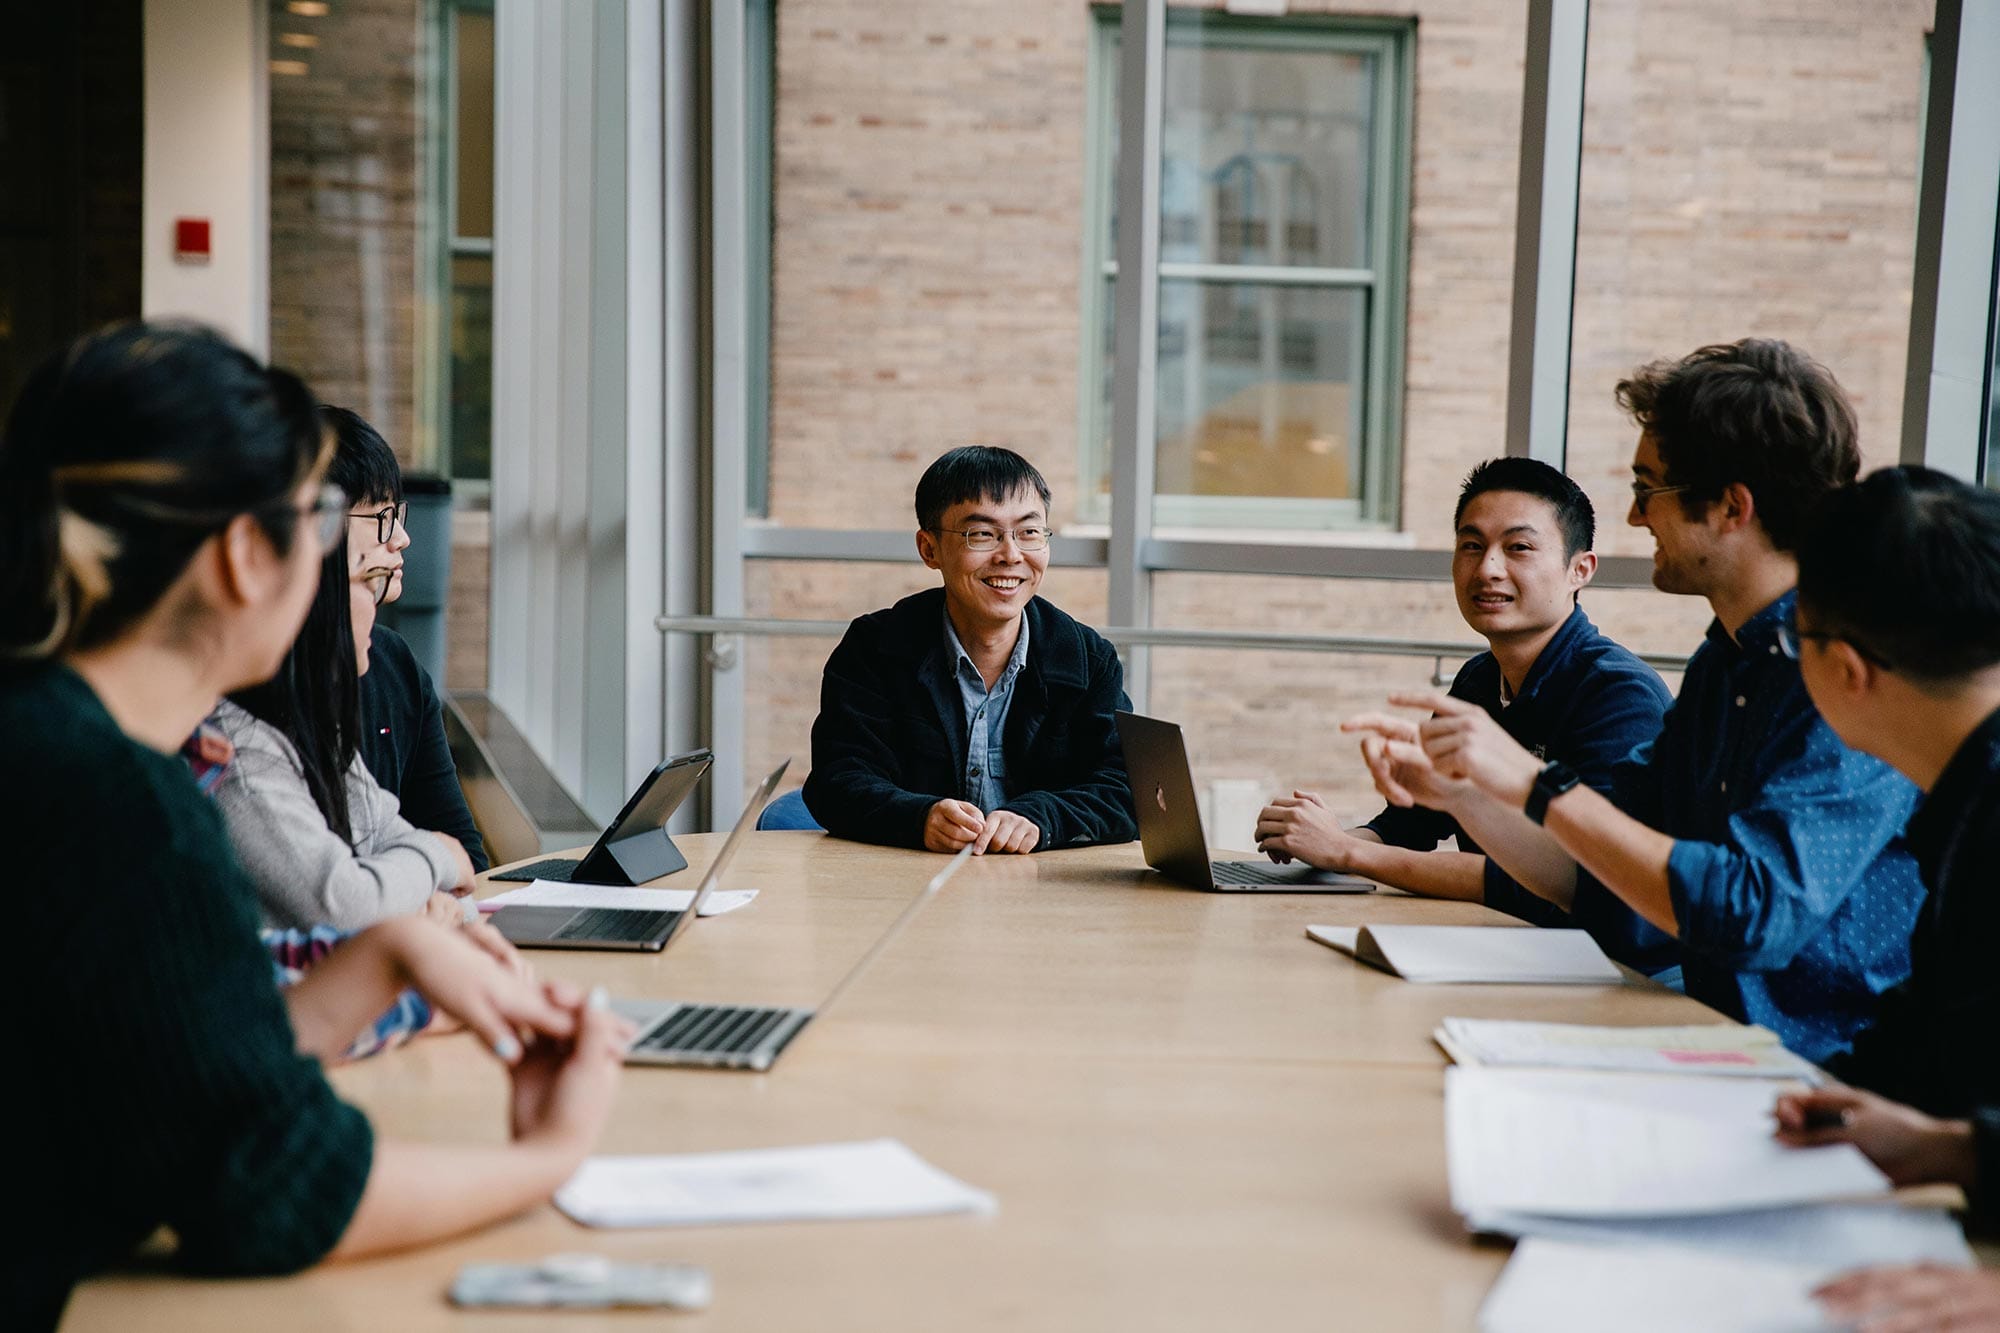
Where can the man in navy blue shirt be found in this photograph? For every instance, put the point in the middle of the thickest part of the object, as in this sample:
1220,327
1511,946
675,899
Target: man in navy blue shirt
1554,683
1771,851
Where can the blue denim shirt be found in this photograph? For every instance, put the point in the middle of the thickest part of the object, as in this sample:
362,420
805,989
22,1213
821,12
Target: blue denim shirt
984,781
1587,701
1794,891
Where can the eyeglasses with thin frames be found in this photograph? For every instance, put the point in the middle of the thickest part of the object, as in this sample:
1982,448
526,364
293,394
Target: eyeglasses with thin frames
1642,494
388,519
1033,537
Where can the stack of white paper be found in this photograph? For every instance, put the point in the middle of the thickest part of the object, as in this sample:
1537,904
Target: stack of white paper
1518,954
880,1178
1836,1236
557,893
1557,1287
1610,1146
1728,1049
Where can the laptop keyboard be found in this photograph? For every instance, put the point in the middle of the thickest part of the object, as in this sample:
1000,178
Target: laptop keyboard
1251,872
714,1028
557,868
605,923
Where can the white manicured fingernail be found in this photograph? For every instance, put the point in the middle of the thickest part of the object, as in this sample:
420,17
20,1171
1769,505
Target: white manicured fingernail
507,1049
599,998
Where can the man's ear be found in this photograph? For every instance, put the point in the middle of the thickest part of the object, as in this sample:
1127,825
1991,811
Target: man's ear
927,549
1854,674
1582,569
1736,509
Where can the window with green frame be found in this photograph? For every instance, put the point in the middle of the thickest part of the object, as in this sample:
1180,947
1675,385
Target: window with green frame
1284,216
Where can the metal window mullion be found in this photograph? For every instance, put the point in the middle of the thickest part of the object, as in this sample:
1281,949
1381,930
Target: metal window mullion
729,387
1142,72
1946,393
1538,351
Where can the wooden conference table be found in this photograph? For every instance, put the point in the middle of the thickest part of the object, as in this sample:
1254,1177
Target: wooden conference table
1193,1116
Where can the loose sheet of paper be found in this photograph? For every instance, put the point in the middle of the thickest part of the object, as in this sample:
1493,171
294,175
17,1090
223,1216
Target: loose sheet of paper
1552,1286
1624,1145
556,893
1729,1049
1835,1236
878,1178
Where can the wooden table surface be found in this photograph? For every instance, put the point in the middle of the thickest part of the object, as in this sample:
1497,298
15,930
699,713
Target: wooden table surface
1193,1116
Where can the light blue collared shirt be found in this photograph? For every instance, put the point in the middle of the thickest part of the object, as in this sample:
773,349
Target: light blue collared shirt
984,780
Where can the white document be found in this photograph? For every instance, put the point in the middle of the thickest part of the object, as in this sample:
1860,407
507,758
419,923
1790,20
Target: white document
1518,954
1834,1236
878,1178
556,893
1729,1049
1624,1145
1552,1286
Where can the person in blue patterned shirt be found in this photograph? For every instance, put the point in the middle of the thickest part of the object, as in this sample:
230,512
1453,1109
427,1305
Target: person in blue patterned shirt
1769,850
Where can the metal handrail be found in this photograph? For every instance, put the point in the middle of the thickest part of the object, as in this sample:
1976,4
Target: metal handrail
1130,636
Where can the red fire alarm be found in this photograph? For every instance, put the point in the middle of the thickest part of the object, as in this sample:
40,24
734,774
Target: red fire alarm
191,240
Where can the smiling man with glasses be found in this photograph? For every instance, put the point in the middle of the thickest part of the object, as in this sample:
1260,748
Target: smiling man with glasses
1771,852
976,713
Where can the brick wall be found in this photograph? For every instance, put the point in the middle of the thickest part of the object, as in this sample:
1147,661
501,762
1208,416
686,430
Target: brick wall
346,152
1749,168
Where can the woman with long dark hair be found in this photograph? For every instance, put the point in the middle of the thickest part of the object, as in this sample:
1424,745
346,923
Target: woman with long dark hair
323,842
162,524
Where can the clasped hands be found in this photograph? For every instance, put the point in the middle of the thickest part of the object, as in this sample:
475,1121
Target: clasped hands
953,824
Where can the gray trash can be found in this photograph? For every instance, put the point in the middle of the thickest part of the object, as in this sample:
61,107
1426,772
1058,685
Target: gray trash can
418,615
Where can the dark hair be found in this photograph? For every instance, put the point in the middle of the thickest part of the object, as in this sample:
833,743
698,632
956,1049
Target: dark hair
1906,566
1759,412
124,453
1531,476
974,472
363,463
315,697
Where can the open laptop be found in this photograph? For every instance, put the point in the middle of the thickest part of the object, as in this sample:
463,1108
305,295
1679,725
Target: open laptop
635,847
646,930
1170,823
740,1036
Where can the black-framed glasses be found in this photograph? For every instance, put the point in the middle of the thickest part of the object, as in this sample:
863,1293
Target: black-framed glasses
1642,494
377,582
1790,636
329,510
1033,537
388,519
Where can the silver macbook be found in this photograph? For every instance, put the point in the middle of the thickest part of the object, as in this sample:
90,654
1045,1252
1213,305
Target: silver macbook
1170,823
748,1036
630,928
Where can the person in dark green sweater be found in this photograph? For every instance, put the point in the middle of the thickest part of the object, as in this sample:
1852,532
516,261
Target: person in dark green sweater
162,517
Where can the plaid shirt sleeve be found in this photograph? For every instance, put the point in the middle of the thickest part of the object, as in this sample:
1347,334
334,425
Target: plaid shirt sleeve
293,952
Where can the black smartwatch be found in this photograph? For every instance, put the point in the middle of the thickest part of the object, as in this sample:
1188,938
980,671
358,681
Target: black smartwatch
1554,779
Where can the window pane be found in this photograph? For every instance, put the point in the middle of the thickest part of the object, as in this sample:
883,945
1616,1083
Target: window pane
473,122
1260,390
1749,168
1266,153
472,367
1281,406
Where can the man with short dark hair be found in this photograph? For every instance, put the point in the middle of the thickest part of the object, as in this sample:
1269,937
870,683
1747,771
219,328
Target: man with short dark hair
1556,684
1768,849
1898,639
977,713
402,737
